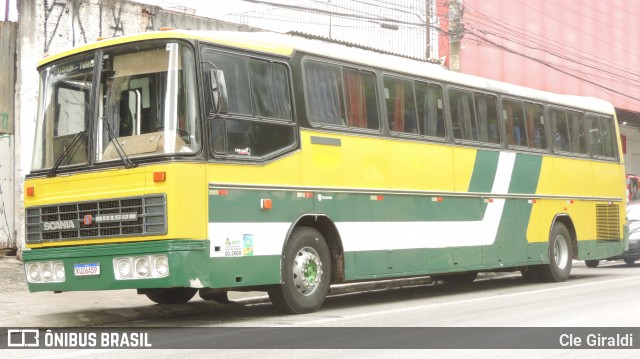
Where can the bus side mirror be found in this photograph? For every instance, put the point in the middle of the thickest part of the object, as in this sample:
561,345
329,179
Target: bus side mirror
218,91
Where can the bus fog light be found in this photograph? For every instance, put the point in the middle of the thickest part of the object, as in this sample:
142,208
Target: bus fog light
161,266
58,272
142,267
33,272
47,272
124,267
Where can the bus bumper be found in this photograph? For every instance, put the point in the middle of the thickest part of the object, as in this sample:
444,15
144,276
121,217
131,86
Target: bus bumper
92,267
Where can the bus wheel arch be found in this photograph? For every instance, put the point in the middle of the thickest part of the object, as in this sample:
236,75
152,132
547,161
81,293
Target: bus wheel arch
327,228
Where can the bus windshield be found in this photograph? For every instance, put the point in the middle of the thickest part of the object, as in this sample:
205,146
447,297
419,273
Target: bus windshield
145,103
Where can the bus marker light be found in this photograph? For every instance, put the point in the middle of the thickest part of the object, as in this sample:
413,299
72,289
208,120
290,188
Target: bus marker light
167,28
570,201
532,201
377,198
304,195
266,203
488,200
31,191
159,176
436,199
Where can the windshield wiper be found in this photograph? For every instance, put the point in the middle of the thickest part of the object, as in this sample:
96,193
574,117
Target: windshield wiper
69,149
112,137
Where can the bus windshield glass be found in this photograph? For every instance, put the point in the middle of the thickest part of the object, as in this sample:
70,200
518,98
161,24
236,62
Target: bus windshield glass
145,102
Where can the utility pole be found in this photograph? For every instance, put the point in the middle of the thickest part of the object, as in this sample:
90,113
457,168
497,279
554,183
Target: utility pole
456,31
428,29
6,11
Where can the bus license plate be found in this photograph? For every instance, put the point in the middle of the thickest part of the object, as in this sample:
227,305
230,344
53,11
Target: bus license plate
86,269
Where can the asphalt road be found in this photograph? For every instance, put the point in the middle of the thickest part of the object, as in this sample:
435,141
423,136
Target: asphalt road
606,296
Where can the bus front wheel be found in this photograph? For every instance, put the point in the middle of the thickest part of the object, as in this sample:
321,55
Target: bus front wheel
560,255
306,273
170,295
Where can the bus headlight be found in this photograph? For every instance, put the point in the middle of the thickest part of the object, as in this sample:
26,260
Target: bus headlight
33,272
124,267
161,265
59,272
45,272
142,267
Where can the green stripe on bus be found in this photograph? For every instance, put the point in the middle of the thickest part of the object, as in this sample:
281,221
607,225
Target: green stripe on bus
526,173
243,205
484,171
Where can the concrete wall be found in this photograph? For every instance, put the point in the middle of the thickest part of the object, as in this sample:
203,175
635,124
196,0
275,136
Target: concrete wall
50,26
7,84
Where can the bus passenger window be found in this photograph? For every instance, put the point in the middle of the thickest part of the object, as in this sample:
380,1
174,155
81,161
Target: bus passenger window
534,118
608,137
513,114
430,109
270,90
487,110
401,109
601,136
576,130
463,115
360,92
324,94
560,130
595,135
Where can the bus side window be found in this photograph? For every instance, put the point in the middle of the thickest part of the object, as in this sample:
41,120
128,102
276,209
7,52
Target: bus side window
513,113
463,115
401,108
430,111
595,135
324,94
601,136
560,130
608,135
534,115
578,142
360,93
487,111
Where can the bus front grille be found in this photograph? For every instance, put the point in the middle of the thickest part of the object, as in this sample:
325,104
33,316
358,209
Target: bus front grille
110,218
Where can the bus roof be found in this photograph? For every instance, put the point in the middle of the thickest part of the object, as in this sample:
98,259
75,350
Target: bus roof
287,45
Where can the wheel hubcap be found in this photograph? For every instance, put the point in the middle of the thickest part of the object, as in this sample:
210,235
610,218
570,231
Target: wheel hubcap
561,252
307,270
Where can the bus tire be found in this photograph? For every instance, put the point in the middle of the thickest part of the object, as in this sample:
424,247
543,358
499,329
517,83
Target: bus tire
171,295
592,263
560,256
306,273
530,274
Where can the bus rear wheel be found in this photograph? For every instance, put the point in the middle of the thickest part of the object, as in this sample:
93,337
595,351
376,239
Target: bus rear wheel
560,256
170,295
306,273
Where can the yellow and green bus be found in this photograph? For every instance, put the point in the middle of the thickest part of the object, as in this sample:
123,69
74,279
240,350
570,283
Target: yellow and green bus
174,162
